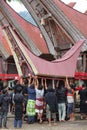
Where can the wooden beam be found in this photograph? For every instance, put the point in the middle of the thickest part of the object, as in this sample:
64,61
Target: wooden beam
14,54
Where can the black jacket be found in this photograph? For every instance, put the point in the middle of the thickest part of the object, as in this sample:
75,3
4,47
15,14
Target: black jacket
6,101
61,95
51,100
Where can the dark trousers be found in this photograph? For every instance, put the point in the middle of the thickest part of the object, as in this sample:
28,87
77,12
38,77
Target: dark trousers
31,119
17,123
3,115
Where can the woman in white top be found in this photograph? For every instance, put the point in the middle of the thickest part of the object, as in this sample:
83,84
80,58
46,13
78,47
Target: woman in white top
39,99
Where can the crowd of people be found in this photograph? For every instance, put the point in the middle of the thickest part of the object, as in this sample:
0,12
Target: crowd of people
41,99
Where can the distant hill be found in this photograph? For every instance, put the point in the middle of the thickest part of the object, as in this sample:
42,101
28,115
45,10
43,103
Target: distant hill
27,17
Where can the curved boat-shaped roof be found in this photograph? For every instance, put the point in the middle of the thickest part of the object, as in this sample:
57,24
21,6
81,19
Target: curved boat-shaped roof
32,31
60,67
72,4
78,19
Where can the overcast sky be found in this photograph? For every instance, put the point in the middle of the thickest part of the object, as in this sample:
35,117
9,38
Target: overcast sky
80,6
17,6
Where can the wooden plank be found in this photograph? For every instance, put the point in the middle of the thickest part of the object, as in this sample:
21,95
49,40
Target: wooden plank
14,55
27,58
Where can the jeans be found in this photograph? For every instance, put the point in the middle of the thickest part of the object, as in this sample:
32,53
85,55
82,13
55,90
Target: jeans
62,111
31,119
3,116
70,108
17,123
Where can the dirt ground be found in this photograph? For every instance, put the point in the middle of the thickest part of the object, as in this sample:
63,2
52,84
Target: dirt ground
78,125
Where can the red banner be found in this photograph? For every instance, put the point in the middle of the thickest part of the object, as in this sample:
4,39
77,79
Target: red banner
8,76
